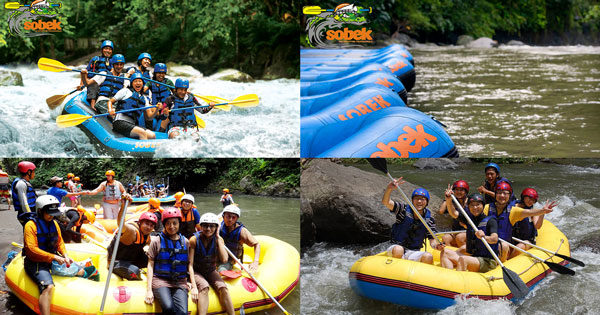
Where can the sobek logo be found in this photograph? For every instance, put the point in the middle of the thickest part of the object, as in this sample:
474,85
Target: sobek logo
28,17
330,25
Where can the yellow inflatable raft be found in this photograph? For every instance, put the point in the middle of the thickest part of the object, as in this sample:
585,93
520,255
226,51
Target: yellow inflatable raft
427,286
278,272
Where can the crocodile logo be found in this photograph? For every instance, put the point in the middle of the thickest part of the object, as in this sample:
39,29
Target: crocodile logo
327,27
30,20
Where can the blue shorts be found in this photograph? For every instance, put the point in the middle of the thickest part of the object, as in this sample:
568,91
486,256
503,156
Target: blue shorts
39,272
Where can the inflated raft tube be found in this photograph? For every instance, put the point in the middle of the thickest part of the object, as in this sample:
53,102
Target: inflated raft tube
399,67
352,96
357,53
323,87
100,129
390,132
163,200
425,286
313,76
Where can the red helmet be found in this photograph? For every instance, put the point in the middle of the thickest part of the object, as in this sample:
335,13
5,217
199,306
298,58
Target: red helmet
530,192
171,213
25,166
148,216
503,186
461,184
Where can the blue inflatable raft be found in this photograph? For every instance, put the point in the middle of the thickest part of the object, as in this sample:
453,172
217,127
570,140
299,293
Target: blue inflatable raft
163,200
358,53
100,130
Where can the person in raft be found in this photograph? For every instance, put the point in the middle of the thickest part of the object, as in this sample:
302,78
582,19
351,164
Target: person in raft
526,229
206,248
408,233
160,92
108,86
474,256
190,217
130,253
492,178
507,214
97,64
168,266
235,235
75,218
155,208
22,192
113,190
460,189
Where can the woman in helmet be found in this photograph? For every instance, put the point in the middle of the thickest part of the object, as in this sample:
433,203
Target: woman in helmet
526,229
460,189
190,221
492,177
23,194
226,198
97,64
131,124
178,122
144,62
113,191
408,233
168,266
206,248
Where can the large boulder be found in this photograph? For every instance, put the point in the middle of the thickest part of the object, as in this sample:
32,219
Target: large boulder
464,39
9,78
248,185
439,164
278,189
515,43
342,204
177,70
232,75
482,42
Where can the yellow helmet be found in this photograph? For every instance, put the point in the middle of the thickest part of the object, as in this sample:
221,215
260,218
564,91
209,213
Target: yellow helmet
154,202
70,175
110,172
76,178
226,190
179,195
91,217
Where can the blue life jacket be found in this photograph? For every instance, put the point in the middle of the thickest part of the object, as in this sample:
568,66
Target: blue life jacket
145,74
136,100
172,259
111,86
410,232
525,229
232,240
47,235
475,246
31,196
504,226
205,260
159,92
98,64
184,118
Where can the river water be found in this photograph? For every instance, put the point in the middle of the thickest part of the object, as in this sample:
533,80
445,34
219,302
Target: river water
276,217
270,130
324,280
513,101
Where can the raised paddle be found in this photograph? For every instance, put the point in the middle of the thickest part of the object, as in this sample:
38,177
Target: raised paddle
315,9
16,5
112,260
255,280
381,164
70,120
512,280
554,266
571,259
54,101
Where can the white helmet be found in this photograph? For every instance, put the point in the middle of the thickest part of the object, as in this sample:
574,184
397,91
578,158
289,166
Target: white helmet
209,218
232,209
188,197
49,204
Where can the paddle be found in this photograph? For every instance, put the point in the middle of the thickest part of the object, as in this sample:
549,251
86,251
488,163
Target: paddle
255,280
315,9
381,165
112,260
70,120
16,5
571,259
514,283
554,266
56,100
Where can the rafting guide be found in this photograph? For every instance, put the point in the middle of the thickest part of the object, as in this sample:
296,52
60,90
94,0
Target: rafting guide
344,24
28,17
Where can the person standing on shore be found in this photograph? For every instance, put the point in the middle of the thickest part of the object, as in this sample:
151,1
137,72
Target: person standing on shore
23,194
113,190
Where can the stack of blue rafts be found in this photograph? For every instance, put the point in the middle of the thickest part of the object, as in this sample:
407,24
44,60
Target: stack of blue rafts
353,104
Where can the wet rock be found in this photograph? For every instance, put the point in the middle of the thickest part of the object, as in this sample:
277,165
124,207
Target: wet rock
248,185
482,42
464,39
591,241
278,189
232,75
10,78
342,204
515,43
461,160
439,164
308,230
280,65
177,70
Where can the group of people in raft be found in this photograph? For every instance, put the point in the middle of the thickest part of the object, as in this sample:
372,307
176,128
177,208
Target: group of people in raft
130,89
144,189
186,250
494,210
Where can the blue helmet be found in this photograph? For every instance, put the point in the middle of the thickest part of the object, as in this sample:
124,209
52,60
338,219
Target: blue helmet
130,185
421,192
136,75
144,55
107,43
145,186
117,58
494,165
160,67
182,83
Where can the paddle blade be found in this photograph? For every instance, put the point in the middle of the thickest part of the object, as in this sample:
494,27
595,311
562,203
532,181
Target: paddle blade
231,274
70,120
12,5
52,65
379,164
571,259
248,100
215,99
54,101
516,286
312,9
560,268
200,122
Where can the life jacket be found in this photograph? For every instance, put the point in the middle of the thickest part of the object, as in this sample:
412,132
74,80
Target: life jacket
31,196
205,260
184,118
112,192
232,239
133,252
475,246
226,200
187,227
136,100
504,226
159,92
410,232
111,85
47,235
172,260
98,64
525,229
